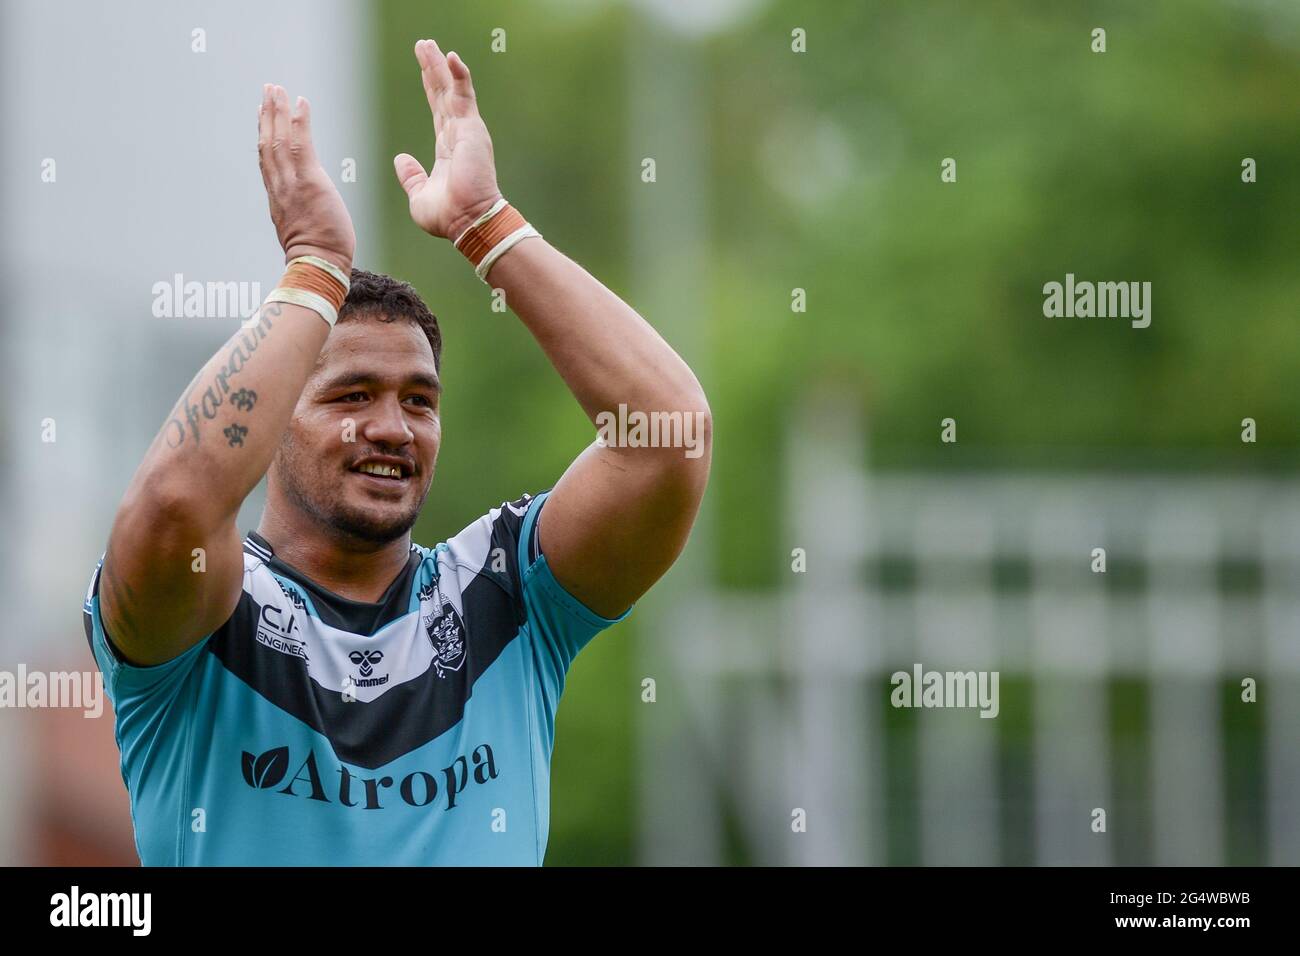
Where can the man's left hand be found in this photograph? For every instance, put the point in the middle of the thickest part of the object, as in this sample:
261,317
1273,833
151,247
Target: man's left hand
462,185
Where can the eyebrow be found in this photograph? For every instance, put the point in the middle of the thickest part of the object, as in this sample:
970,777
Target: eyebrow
346,379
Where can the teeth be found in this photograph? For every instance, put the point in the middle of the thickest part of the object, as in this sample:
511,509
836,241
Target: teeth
387,471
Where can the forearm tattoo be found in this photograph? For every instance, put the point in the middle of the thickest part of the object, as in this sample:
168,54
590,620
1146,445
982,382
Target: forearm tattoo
189,416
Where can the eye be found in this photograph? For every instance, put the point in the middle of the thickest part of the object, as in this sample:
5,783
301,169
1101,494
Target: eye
423,400
353,396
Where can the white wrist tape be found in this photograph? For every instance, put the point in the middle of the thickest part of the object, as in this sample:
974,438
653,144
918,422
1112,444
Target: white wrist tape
486,240
310,300
502,247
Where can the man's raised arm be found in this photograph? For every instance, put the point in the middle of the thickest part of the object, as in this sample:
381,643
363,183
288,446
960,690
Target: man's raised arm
156,598
620,515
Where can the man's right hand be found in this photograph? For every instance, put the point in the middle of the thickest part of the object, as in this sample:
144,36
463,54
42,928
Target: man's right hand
308,212
174,568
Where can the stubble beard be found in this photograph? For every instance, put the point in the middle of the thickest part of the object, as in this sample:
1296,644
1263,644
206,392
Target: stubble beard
323,498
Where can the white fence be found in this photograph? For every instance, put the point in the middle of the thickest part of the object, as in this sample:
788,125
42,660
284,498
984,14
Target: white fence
776,701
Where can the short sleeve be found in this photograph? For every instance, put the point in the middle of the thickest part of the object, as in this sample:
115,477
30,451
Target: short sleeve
556,618
125,682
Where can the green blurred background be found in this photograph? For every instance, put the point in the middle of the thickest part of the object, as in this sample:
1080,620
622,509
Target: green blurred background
924,298
776,171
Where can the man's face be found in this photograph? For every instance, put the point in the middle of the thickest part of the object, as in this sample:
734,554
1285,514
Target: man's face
380,377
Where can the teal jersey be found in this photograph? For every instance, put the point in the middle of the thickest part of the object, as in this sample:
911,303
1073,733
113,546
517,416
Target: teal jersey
313,730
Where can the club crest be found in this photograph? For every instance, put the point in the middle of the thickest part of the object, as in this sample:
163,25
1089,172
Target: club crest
447,634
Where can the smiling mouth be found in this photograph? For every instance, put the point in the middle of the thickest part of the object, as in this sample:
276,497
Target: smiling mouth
383,472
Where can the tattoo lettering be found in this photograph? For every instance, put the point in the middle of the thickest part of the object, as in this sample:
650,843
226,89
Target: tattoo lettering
194,415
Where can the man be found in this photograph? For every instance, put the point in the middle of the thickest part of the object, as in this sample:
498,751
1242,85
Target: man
324,691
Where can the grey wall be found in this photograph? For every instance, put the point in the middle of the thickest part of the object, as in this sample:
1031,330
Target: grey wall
156,165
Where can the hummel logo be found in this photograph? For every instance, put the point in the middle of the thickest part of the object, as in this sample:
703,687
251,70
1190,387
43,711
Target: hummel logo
366,659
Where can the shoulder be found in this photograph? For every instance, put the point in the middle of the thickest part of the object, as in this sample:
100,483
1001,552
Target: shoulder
493,538
261,583
492,546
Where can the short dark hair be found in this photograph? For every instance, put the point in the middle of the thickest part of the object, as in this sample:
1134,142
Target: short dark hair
382,297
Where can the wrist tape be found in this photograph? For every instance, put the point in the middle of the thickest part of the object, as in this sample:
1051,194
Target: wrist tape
492,235
312,282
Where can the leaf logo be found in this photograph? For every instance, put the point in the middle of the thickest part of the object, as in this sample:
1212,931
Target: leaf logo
265,771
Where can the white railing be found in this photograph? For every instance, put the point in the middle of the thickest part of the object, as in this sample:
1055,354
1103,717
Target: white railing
777,698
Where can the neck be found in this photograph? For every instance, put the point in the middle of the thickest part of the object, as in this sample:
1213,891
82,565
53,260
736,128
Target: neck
357,570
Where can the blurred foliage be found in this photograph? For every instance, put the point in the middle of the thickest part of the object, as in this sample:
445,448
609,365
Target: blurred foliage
509,425
924,298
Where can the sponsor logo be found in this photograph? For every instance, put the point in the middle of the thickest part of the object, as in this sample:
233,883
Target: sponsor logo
267,771
279,634
366,661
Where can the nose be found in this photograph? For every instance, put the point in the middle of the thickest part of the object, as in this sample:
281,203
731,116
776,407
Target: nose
386,424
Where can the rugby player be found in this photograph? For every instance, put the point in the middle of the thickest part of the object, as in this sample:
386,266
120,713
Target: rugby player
324,691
